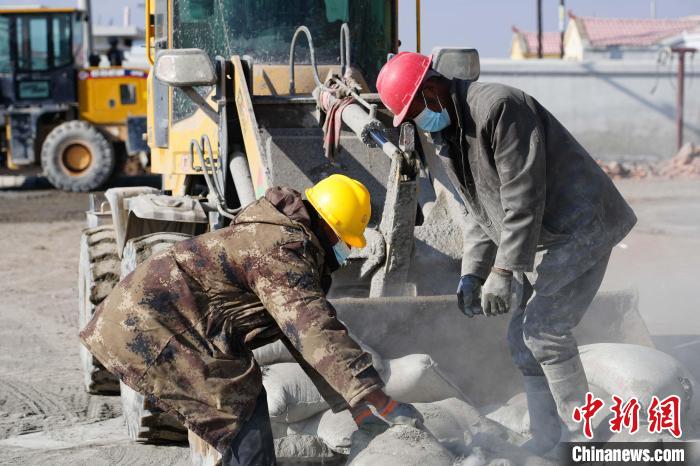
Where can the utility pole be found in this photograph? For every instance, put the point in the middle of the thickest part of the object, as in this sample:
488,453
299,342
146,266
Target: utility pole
418,26
652,8
680,95
539,29
562,16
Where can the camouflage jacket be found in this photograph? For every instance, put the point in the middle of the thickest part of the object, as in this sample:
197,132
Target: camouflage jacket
181,327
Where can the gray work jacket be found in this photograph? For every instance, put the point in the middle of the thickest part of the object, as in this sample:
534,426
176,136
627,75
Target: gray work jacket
526,183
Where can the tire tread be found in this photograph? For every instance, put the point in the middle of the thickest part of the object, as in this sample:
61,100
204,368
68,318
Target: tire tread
104,158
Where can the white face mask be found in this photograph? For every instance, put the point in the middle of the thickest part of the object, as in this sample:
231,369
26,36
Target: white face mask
342,251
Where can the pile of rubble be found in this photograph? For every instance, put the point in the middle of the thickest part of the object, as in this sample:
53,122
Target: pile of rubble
685,164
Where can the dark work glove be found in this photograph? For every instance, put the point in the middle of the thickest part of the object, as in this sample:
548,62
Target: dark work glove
397,413
496,295
468,295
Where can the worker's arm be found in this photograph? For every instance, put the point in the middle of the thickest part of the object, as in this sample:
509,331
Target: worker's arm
519,155
287,281
479,251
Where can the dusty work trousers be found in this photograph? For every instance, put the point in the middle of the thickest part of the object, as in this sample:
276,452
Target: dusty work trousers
253,445
540,331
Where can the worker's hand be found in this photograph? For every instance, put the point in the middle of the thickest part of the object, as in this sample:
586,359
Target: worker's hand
496,295
397,413
468,295
368,422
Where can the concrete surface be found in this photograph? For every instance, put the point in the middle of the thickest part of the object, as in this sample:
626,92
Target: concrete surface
661,255
660,258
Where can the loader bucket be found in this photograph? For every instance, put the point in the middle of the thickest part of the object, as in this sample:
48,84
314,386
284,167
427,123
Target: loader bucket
474,352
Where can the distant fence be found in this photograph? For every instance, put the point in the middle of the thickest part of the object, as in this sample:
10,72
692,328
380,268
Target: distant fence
609,105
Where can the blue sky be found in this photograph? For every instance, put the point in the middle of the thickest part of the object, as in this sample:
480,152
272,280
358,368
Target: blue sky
484,24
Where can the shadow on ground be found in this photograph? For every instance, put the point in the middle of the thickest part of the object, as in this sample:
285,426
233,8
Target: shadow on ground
41,182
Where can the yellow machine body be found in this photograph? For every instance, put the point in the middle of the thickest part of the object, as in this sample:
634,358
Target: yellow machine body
108,96
173,159
46,88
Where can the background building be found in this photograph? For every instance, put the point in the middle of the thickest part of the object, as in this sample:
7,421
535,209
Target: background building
524,45
593,38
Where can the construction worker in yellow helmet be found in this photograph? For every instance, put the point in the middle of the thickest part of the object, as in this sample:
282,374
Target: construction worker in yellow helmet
179,328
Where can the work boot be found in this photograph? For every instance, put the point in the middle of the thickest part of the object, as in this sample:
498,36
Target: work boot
568,384
545,425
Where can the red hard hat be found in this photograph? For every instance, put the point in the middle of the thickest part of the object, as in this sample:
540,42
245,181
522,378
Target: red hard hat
399,80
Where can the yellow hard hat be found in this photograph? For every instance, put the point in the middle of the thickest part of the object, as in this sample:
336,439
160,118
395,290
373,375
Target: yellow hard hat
345,206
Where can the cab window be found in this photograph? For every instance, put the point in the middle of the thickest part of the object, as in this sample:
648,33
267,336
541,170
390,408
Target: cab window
77,41
33,43
127,94
5,66
62,53
263,29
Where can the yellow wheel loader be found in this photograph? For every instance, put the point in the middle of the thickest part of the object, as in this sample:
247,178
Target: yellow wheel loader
236,101
78,123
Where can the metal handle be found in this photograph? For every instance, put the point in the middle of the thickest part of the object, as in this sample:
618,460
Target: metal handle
312,54
344,48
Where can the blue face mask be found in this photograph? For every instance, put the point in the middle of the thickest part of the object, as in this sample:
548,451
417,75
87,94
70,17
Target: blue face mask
431,121
342,251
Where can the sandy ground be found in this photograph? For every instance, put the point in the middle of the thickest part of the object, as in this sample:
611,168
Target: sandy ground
45,415
47,418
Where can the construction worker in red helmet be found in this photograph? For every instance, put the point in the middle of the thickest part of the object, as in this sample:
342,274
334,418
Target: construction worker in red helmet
542,219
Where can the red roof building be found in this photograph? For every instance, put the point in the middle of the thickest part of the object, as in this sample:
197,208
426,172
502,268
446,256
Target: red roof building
525,44
590,38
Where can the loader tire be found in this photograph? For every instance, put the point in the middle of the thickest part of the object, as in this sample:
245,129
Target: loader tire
144,421
139,249
76,156
98,274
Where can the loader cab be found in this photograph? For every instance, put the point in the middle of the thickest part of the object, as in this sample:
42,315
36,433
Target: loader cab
259,34
40,51
263,30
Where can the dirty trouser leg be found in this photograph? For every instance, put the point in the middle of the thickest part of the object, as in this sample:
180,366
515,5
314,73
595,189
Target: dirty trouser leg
539,332
548,320
544,420
253,446
519,352
541,343
547,332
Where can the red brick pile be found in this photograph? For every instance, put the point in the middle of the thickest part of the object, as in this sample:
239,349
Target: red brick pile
685,164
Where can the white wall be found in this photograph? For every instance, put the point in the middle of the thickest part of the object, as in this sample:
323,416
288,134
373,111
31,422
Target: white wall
608,105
